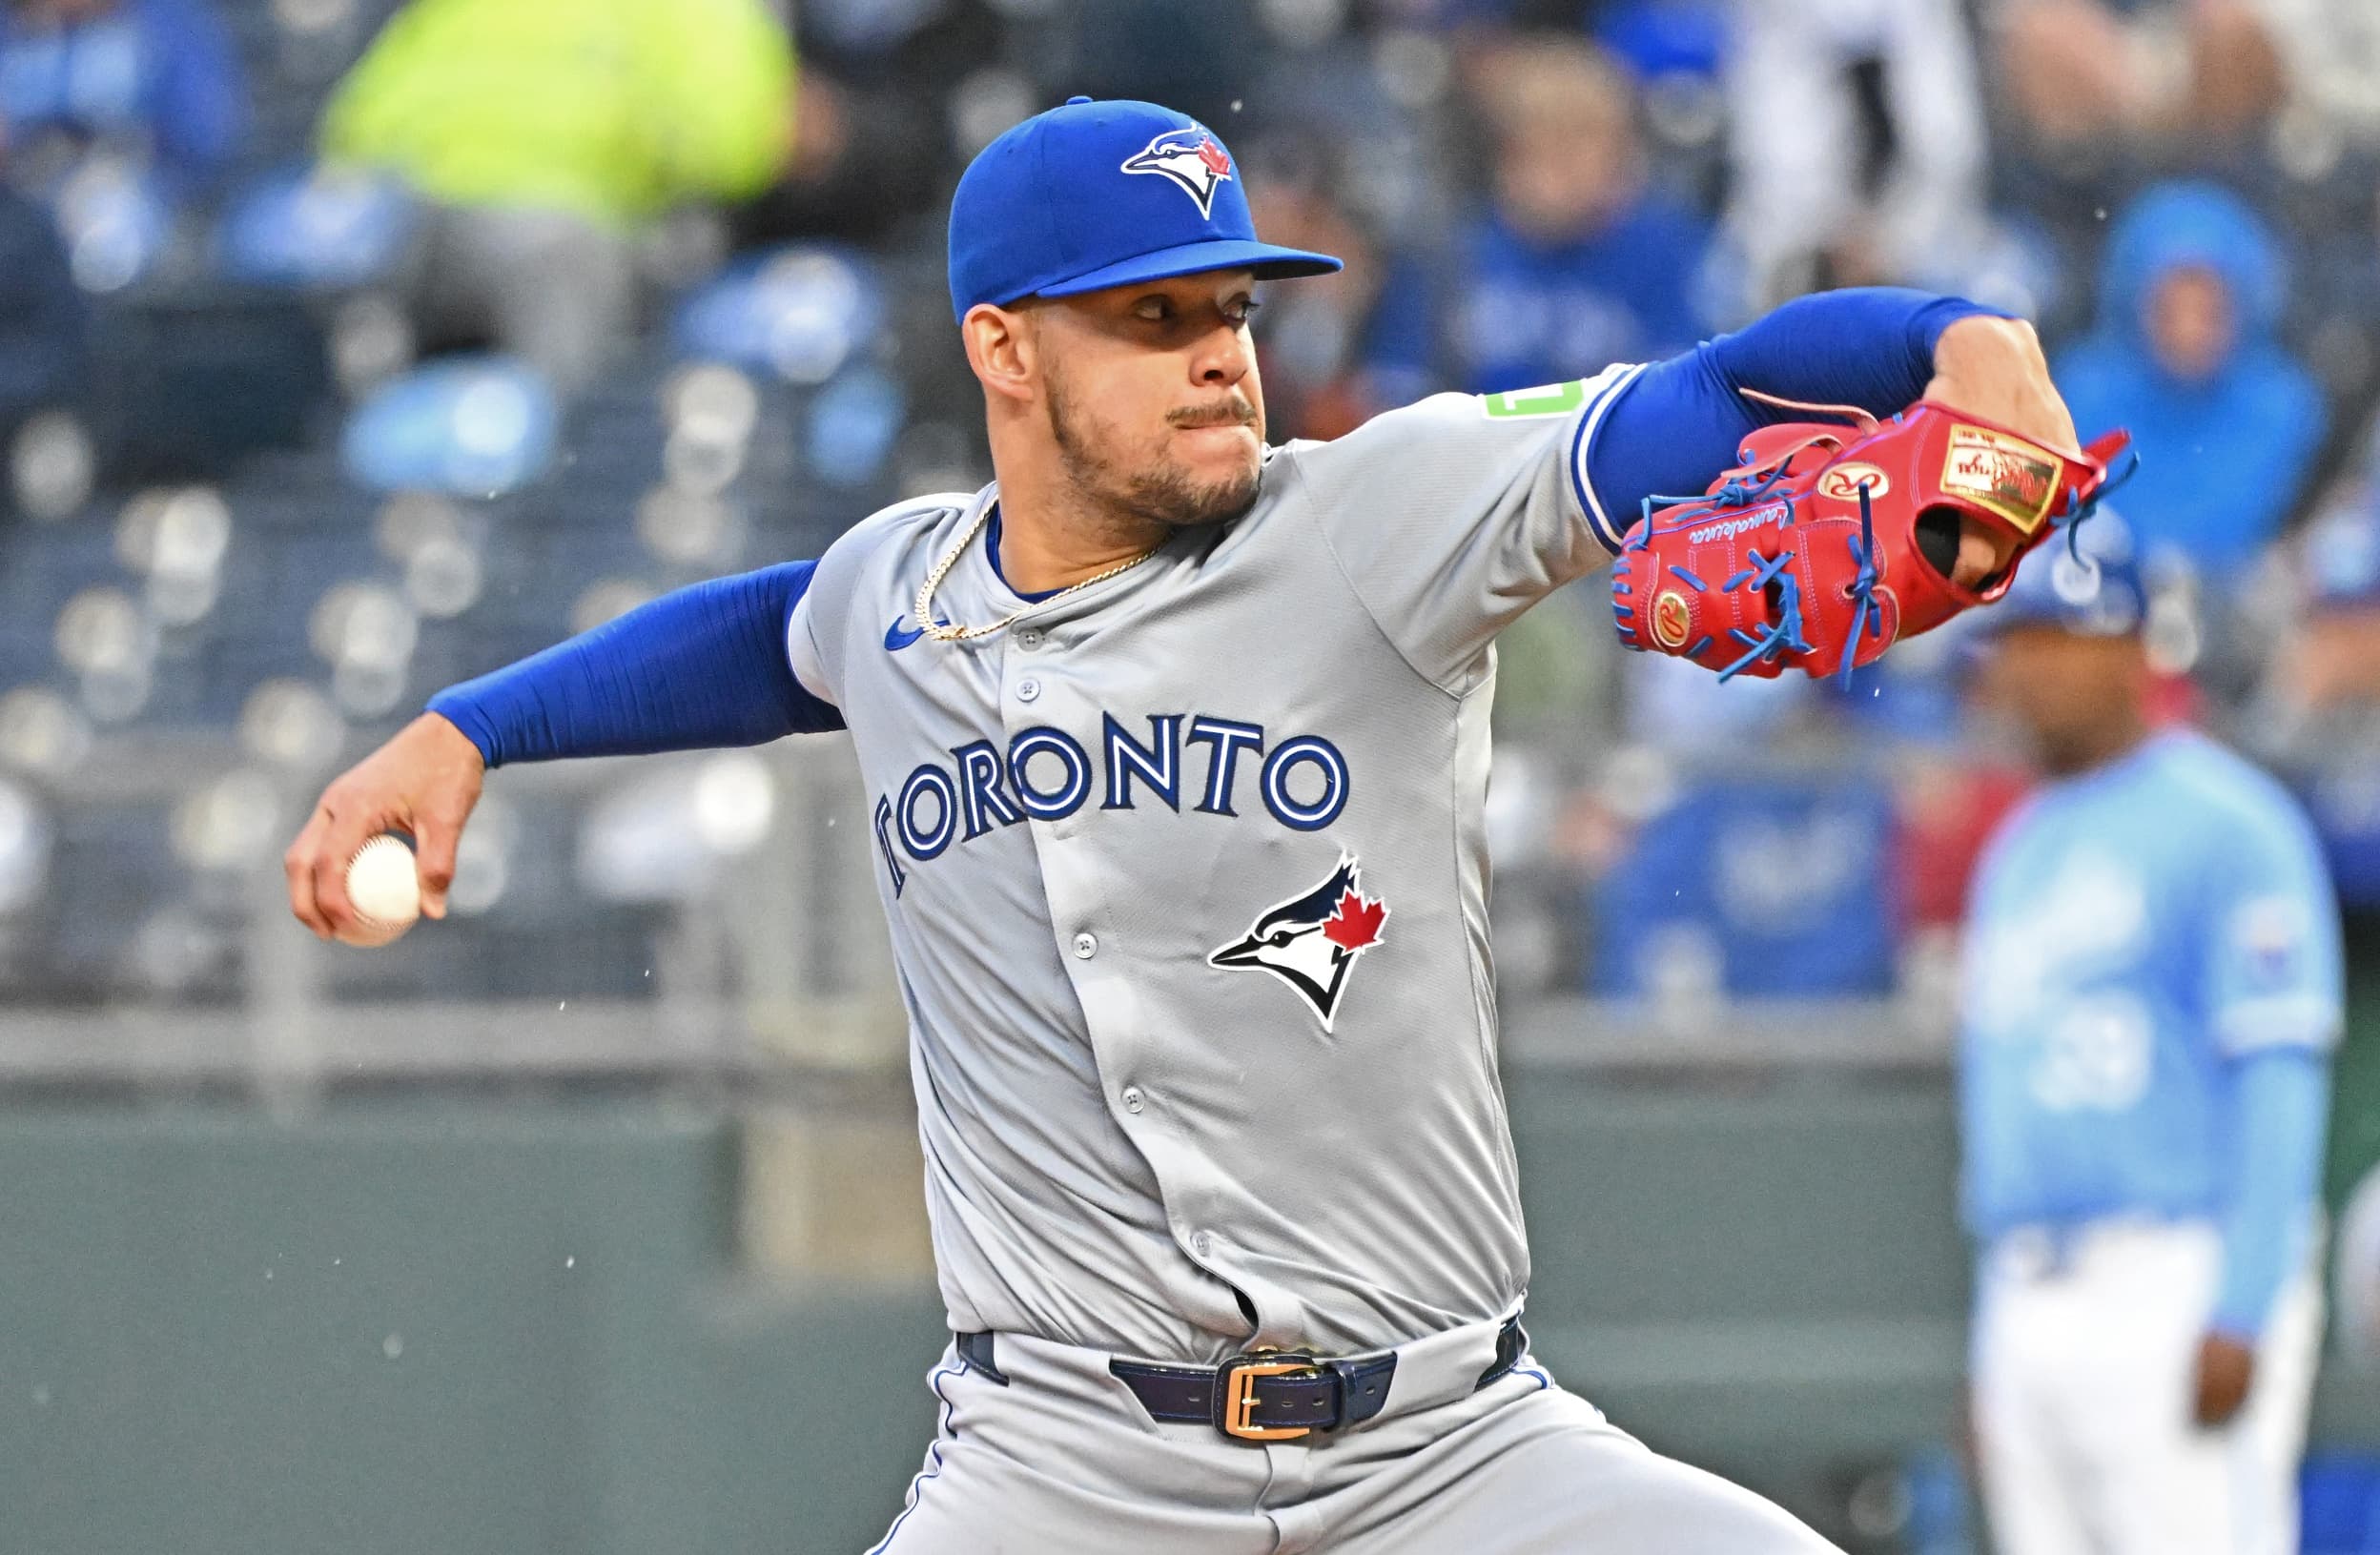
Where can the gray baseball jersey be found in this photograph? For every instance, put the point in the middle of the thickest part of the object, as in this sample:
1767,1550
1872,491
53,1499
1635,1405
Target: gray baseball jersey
1187,888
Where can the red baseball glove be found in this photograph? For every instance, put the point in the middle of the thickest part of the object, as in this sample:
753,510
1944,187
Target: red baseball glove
1828,543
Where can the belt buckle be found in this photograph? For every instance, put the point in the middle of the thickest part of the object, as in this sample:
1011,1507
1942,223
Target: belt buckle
1237,1400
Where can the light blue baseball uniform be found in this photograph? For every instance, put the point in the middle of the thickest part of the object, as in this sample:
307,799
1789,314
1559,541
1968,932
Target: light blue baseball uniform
2154,974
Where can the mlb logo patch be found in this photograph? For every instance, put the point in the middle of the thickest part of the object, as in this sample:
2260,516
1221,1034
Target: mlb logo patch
1192,160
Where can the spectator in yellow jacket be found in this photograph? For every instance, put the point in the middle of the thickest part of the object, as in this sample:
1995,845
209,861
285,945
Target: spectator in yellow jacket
543,134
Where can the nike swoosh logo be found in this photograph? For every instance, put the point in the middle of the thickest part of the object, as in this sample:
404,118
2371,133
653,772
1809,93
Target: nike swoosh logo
897,637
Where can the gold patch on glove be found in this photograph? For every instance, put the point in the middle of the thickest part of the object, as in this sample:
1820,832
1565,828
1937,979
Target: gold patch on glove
1997,470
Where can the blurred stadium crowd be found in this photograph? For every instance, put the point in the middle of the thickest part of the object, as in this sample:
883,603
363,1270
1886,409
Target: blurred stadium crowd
348,348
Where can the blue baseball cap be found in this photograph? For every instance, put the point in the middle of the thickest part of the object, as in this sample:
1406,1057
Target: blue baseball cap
2092,588
1104,194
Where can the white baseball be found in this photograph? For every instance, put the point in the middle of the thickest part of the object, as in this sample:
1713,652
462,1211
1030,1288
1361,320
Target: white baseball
384,891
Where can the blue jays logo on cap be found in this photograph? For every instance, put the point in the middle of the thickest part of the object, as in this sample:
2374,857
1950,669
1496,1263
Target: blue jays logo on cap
1089,196
1192,158
1313,940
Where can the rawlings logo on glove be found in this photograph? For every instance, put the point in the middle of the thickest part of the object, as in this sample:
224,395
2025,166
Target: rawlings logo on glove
1826,544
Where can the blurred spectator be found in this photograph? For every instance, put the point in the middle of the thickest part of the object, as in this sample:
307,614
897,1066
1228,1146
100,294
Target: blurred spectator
546,132
2332,51
878,79
1577,263
2318,716
2167,80
42,339
859,172
2184,354
2091,81
1329,359
155,82
1946,807
2331,666
1858,145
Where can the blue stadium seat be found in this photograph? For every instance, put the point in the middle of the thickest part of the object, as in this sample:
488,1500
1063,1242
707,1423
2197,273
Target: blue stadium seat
468,426
798,313
310,229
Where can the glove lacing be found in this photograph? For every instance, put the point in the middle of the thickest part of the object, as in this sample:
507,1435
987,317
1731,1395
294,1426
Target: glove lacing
2070,522
1772,640
1866,614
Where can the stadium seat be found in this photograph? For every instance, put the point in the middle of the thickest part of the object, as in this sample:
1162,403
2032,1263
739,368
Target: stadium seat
467,426
315,229
799,314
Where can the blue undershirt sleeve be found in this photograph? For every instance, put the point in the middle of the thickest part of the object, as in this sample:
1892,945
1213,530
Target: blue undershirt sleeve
2279,1100
702,667
1679,422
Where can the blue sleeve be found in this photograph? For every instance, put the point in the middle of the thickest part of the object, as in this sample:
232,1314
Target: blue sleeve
2271,964
697,669
2280,1097
1678,423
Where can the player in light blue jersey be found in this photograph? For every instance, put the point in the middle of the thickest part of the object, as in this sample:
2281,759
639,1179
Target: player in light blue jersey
2153,986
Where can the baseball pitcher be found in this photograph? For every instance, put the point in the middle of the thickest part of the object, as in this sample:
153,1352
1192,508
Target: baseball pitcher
1176,746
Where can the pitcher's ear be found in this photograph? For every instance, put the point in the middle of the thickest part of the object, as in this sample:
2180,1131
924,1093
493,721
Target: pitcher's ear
1003,349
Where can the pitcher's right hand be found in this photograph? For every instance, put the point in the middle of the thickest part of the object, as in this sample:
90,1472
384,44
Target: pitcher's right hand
424,781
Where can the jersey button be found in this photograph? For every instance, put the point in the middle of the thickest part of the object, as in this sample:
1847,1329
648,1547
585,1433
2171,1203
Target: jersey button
1086,946
1132,1098
1029,637
1028,689
1200,1243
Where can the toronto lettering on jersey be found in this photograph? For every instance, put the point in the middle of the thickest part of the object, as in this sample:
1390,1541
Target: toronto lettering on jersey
1047,774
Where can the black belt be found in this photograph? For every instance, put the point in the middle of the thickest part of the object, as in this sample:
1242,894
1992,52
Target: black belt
1265,1395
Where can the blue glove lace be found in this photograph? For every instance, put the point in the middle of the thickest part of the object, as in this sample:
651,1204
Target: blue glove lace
1770,640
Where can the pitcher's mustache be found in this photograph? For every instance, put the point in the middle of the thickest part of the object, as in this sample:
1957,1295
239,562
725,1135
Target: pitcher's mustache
1236,411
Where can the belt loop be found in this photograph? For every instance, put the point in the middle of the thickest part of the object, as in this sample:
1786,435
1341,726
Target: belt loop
1512,1343
976,1350
1363,1386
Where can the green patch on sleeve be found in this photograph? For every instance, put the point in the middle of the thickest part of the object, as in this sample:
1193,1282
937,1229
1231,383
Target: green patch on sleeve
1551,399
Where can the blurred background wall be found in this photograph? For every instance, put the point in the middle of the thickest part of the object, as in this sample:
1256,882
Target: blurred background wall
349,348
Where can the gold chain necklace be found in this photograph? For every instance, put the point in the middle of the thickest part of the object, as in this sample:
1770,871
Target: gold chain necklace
922,611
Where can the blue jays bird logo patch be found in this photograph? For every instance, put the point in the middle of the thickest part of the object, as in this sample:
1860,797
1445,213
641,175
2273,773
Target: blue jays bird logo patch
1311,942
1195,160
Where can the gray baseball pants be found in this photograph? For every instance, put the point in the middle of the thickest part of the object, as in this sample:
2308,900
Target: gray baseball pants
1063,1461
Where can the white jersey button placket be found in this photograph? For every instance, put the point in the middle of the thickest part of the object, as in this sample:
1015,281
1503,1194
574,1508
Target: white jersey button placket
1086,946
